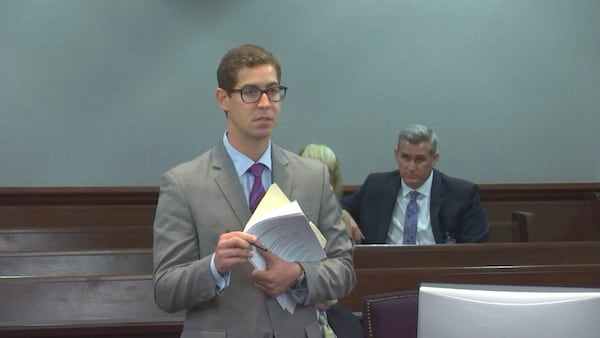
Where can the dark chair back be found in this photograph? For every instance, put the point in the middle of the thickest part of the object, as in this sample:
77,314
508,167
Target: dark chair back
390,314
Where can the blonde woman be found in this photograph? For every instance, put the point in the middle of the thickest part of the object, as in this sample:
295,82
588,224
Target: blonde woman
324,154
342,321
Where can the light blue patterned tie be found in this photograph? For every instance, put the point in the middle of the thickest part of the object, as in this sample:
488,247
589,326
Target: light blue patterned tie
410,219
257,191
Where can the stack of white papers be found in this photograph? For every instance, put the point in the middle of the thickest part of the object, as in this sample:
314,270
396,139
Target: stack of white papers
283,229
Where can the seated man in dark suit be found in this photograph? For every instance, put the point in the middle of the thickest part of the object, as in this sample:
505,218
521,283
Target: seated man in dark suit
417,204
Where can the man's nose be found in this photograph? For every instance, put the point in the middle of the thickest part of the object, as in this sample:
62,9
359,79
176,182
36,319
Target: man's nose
264,100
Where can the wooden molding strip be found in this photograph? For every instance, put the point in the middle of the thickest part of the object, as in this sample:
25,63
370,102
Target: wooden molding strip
148,195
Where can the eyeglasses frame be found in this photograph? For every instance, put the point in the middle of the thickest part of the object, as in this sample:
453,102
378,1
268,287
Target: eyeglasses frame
262,91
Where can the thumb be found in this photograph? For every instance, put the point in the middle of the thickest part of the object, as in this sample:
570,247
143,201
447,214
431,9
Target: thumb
270,258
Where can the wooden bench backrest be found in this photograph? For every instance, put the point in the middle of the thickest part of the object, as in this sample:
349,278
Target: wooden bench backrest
78,263
378,269
76,238
81,215
564,211
515,230
72,300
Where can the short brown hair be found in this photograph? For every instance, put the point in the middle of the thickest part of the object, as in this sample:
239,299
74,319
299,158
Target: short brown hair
240,57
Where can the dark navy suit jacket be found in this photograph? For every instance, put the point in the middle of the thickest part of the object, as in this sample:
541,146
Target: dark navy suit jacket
455,208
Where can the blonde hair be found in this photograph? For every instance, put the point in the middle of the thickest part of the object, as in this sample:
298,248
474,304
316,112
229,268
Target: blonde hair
324,154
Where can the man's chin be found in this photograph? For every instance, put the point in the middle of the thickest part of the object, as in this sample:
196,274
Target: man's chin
414,183
263,133
266,126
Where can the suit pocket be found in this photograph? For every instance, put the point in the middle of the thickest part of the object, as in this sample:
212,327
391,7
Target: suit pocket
191,333
313,330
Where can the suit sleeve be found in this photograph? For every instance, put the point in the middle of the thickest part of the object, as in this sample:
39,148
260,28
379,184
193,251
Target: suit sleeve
351,203
474,223
181,278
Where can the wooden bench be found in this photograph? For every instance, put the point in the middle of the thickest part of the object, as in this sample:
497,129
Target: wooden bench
515,230
122,306
68,329
115,306
79,263
111,304
563,211
59,216
76,238
140,237
100,294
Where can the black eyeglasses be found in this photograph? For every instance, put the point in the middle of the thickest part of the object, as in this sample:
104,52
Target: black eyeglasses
252,94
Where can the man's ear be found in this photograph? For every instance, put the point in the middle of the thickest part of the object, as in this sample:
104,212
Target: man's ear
436,157
222,98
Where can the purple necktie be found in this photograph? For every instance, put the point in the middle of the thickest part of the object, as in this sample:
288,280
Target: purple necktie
410,219
258,191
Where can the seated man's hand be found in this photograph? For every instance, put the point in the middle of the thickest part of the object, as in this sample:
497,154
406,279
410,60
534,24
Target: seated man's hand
353,229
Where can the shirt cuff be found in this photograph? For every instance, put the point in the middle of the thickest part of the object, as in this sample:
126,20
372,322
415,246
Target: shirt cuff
299,295
221,281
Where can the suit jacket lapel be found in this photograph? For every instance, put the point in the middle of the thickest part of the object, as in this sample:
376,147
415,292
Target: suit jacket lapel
279,172
227,180
437,197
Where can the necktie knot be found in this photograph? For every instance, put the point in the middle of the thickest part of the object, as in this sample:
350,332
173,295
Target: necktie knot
256,169
413,195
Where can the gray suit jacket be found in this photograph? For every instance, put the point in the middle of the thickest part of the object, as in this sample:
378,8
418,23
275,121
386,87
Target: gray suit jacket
201,199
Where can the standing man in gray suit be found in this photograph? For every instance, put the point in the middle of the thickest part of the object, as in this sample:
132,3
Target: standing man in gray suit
200,252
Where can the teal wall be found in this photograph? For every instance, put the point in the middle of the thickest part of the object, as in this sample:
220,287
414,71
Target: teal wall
116,92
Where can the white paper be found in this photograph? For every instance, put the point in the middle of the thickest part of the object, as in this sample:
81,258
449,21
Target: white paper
282,227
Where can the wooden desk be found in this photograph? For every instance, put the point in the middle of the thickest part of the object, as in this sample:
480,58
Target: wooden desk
479,254
388,268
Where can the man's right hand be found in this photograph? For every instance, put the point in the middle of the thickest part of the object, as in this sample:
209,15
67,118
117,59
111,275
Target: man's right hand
233,248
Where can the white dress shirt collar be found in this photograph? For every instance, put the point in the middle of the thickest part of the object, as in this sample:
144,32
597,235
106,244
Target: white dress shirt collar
424,189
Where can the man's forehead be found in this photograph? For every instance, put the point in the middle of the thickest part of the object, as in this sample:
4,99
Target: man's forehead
257,73
414,145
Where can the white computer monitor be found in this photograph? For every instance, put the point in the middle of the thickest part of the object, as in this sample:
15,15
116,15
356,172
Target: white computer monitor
499,311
